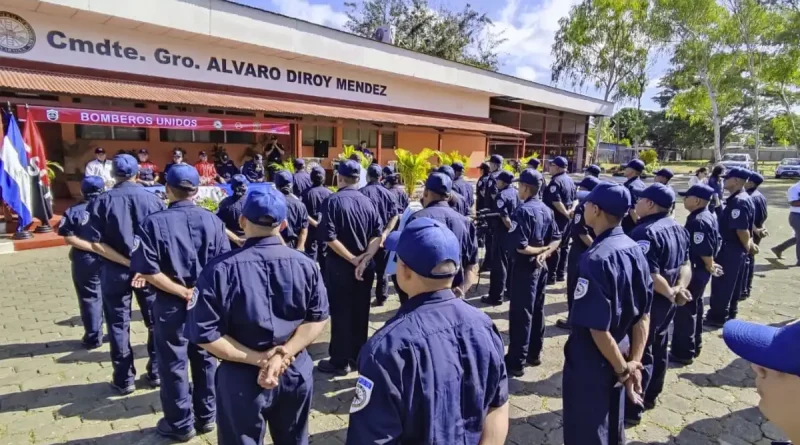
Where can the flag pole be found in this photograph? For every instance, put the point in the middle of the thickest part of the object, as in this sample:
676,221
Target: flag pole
44,227
22,233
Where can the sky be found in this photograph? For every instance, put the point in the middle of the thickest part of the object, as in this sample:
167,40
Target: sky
528,27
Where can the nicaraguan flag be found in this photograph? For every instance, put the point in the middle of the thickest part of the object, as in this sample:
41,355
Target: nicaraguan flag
15,180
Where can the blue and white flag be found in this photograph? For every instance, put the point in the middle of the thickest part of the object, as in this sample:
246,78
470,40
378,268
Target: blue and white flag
15,179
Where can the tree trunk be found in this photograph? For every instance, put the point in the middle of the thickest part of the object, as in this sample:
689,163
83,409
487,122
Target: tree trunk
712,96
788,107
756,106
597,138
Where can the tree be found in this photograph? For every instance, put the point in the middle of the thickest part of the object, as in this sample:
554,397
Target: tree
781,71
464,36
602,44
629,123
676,133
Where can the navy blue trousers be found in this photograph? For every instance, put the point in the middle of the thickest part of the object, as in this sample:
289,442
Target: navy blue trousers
526,311
725,290
501,262
557,263
747,286
349,308
381,281
687,332
183,404
575,253
86,277
246,409
116,288
593,406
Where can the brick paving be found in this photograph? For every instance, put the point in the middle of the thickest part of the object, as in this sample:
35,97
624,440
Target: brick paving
54,392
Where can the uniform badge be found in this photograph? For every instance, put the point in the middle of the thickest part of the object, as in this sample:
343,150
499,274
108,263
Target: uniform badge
136,243
578,218
645,245
84,217
500,203
363,393
513,227
63,222
193,301
581,288
698,237
553,189
735,213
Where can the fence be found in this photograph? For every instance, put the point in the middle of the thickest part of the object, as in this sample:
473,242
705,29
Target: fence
764,154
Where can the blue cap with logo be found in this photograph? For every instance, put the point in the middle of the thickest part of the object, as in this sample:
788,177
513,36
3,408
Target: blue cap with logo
92,185
738,173
183,176
756,178
283,179
349,169
560,162
423,245
265,207
374,171
593,170
660,194
636,164
299,163
666,173
388,170
613,199
770,347
447,170
589,183
530,176
317,172
534,163
439,183
506,177
125,166
496,159
458,167
701,191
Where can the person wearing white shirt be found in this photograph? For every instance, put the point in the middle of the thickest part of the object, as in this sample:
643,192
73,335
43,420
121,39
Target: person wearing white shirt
699,177
391,264
101,167
793,195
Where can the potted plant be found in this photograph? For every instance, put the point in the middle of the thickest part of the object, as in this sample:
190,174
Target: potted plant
413,168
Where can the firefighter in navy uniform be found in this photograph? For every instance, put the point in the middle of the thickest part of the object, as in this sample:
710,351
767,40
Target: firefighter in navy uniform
457,201
665,244
85,264
534,235
296,231
114,217
609,325
302,179
759,230
582,238
634,184
174,246
461,185
313,199
687,332
506,201
495,164
389,210
560,196
230,208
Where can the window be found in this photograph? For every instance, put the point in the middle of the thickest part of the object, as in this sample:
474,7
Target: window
167,135
240,137
313,133
110,133
388,139
354,136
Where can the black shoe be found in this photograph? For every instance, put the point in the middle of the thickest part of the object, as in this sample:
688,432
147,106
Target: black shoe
649,405
515,372
697,353
777,253
163,429
561,279
743,297
154,382
563,324
710,322
378,302
679,360
205,428
90,346
630,423
491,301
123,390
551,282
326,367
534,363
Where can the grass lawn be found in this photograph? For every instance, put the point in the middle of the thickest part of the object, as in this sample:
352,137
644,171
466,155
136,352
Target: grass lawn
689,167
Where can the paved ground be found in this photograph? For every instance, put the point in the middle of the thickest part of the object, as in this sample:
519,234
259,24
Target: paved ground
52,391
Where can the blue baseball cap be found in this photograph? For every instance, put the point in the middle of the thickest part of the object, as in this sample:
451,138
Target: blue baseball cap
636,164
701,191
660,194
560,162
447,170
497,159
317,172
265,207
374,171
424,244
458,167
439,183
183,176
125,166
589,183
756,178
506,177
299,163
612,198
773,348
92,185
738,172
593,170
665,172
283,178
531,177
349,169
534,163
394,178
388,170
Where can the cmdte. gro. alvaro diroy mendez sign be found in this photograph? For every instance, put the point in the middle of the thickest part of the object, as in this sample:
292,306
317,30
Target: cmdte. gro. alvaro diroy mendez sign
114,49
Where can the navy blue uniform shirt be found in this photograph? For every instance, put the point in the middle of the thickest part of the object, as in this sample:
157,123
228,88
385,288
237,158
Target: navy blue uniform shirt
716,184
75,222
313,198
481,192
464,189
429,375
116,214
178,242
634,186
383,200
350,217
532,224
253,172
505,203
579,227
491,190
401,196
302,182
738,214
229,211
459,203
665,243
226,170
704,233
759,208
296,220
560,189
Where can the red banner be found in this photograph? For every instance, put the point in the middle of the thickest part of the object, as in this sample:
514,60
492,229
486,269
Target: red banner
147,120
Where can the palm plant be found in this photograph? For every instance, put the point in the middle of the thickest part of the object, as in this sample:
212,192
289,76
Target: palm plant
350,150
51,169
453,157
287,165
413,168
523,163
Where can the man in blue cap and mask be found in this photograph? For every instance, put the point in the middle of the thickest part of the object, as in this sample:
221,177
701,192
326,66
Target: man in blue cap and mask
592,170
416,384
461,185
257,309
505,203
736,229
296,230
759,229
560,196
313,199
352,228
687,333
302,180
389,211
174,246
495,164
609,325
663,176
534,235
85,263
114,218
230,209
456,201
634,184
665,244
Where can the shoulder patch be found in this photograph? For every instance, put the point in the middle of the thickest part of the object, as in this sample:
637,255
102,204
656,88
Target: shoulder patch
363,394
63,222
514,227
500,204
577,218
699,237
84,217
553,189
581,288
193,301
645,245
735,213
136,243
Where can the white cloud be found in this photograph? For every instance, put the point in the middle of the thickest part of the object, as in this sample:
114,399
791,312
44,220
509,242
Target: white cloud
526,72
320,14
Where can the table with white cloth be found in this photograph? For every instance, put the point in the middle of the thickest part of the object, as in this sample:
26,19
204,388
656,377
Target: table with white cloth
215,192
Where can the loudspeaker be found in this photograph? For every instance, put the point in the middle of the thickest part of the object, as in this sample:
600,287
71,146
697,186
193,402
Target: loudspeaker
321,149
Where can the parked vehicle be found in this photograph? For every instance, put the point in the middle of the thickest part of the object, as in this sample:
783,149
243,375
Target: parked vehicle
789,167
741,160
